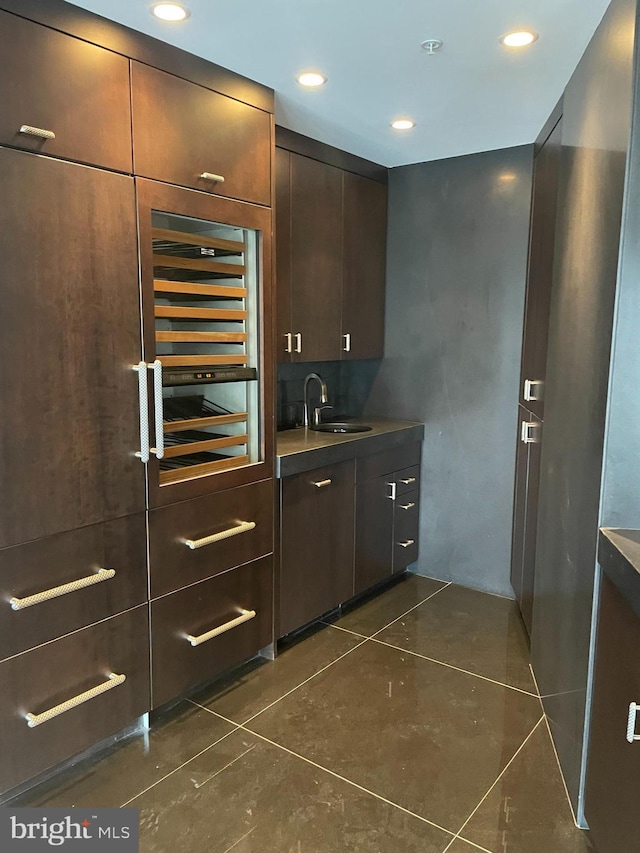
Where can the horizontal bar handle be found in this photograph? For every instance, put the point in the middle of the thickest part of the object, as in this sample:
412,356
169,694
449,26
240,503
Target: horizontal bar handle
320,484
34,720
242,527
245,616
631,723
40,132
407,506
408,481
407,544
47,594
211,176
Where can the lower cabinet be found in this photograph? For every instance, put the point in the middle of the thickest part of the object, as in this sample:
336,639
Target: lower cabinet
345,528
208,627
611,797
316,557
66,695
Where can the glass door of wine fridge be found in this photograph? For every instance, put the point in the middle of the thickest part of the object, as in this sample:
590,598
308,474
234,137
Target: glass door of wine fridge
203,308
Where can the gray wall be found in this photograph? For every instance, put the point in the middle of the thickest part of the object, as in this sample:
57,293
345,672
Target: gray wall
456,277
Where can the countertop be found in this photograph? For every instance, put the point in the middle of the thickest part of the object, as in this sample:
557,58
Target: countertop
302,449
619,557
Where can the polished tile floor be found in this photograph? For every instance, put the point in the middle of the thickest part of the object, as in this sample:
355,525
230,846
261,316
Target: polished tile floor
410,724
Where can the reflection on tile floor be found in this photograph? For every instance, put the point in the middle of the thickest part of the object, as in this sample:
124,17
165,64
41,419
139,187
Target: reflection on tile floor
368,735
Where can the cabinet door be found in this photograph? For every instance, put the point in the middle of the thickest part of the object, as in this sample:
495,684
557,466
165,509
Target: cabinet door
69,335
540,277
316,569
316,259
79,92
374,532
187,135
364,267
531,522
611,798
285,340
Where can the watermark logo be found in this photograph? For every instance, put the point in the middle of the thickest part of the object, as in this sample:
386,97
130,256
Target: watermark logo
69,830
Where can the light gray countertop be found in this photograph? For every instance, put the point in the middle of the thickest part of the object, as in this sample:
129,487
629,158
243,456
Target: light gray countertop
619,557
299,450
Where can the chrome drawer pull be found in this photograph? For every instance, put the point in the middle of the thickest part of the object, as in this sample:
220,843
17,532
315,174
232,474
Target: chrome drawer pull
289,345
28,130
347,342
394,487
408,481
407,506
529,432
243,527
320,484
34,720
245,616
81,583
298,337
210,176
407,544
529,390
631,723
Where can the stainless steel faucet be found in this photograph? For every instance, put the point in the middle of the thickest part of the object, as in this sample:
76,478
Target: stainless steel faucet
323,398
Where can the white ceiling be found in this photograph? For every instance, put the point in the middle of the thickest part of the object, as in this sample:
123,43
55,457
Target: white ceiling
475,95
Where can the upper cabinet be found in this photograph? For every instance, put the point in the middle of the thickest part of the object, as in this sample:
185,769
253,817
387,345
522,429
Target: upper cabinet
330,261
62,96
188,135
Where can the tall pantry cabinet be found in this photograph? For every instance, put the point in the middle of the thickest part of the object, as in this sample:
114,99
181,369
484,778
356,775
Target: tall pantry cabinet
135,366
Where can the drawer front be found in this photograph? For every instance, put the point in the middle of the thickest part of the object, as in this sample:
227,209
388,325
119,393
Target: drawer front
202,133
407,480
57,83
378,464
175,564
186,617
406,528
44,678
102,570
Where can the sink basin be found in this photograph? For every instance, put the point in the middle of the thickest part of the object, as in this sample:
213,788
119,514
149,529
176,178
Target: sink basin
341,427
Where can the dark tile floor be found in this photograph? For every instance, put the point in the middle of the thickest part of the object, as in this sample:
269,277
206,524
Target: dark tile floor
409,724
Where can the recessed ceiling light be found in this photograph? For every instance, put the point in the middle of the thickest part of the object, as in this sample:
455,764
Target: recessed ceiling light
311,78
403,124
519,38
170,11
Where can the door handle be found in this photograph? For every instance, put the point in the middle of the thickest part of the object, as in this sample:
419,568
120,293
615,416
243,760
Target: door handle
289,345
347,342
38,132
143,453
631,723
394,488
156,367
529,432
529,390
298,337
211,176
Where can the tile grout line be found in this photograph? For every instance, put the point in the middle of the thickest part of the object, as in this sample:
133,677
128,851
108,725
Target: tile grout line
456,668
184,764
564,784
288,693
411,609
333,773
500,775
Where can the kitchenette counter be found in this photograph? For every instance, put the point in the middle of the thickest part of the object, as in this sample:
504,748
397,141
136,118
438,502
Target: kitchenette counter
302,449
619,557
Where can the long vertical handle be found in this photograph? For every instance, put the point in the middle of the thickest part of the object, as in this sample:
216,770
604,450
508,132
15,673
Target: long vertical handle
143,453
631,723
158,408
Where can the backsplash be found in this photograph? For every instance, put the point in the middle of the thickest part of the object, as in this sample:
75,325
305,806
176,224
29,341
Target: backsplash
348,386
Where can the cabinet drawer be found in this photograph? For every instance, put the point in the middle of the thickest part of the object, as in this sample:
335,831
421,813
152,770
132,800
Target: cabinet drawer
407,480
406,528
57,83
44,678
183,618
370,467
175,564
102,570
182,131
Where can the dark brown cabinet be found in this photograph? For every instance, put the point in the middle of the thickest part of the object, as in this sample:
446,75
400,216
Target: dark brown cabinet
317,534
330,261
364,266
69,336
611,796
387,515
208,141
62,96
